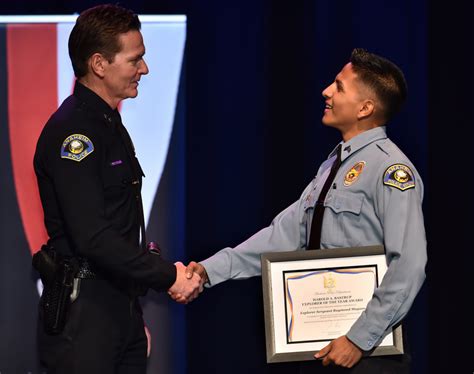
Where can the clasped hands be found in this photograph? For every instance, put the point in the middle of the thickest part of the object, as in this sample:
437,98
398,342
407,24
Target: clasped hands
189,282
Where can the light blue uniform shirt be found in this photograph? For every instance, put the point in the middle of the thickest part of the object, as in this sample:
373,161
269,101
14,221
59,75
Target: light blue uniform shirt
371,202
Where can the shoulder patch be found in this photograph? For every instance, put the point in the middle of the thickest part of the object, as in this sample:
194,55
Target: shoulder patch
399,176
76,147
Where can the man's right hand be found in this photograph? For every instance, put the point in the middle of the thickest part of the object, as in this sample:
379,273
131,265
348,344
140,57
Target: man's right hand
185,288
193,270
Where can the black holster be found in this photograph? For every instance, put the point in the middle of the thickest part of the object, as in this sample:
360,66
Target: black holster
57,274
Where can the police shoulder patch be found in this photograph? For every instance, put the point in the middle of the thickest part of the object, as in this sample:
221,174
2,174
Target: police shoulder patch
76,147
399,176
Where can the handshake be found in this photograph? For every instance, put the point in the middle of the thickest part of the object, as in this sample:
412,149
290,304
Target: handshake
189,282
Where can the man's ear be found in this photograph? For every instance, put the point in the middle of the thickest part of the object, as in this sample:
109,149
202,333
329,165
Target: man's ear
97,64
366,110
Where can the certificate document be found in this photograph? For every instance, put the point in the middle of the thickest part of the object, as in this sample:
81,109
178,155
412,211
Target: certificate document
313,297
322,304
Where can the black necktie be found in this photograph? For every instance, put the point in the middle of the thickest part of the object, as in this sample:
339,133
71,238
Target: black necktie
316,225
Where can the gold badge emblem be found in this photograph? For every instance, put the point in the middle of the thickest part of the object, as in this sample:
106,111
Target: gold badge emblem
401,176
353,174
76,146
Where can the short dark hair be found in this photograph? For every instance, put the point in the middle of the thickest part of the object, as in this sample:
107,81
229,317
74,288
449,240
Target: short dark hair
382,76
97,30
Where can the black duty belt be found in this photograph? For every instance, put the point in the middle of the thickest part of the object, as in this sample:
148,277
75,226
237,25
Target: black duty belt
85,270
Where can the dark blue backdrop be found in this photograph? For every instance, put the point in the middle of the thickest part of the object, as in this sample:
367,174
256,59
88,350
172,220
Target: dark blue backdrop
255,72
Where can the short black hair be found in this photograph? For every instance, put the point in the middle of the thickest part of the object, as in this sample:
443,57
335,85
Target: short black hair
97,30
382,76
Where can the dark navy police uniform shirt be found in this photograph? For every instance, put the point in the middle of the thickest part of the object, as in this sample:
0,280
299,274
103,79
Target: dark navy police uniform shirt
89,178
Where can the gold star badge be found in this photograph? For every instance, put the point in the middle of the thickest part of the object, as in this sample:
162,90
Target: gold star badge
353,174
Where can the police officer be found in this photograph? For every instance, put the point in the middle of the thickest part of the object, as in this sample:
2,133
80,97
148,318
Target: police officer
374,198
89,181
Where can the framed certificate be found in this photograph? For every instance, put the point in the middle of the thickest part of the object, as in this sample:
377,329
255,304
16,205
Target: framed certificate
313,297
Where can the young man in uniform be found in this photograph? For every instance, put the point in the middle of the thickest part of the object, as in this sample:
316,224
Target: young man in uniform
366,193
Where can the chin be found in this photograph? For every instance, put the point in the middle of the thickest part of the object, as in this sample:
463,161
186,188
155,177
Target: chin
133,94
326,122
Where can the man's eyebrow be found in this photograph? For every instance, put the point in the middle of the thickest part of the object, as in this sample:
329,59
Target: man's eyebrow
339,84
138,55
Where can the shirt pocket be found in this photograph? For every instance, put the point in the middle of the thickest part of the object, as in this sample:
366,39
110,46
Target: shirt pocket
342,219
306,215
115,180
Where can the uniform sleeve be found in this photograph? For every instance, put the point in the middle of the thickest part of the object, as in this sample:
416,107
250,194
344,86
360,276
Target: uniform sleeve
405,244
80,197
285,233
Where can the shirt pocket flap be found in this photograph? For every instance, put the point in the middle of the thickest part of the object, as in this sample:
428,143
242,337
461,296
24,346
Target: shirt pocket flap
115,176
309,201
340,201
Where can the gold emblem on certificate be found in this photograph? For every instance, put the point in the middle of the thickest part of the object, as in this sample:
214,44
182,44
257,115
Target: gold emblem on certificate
329,283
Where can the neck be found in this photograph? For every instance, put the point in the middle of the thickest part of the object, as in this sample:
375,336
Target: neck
356,129
98,88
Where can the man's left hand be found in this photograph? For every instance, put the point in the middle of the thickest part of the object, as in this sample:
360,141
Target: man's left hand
341,352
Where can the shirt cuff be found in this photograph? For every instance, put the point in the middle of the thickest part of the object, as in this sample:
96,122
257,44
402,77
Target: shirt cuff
217,268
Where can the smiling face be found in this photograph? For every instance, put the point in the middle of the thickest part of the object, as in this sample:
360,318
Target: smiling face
345,98
121,75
